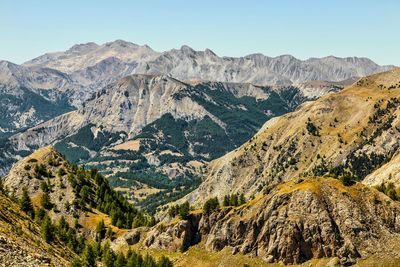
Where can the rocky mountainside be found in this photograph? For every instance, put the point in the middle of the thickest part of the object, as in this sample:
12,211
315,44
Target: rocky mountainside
294,222
158,124
68,191
319,182
55,213
188,64
28,97
353,132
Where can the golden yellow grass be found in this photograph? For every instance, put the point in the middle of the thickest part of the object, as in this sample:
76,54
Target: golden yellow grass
133,145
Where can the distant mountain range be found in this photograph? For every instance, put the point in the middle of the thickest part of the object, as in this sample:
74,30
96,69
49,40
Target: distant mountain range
126,108
63,80
86,62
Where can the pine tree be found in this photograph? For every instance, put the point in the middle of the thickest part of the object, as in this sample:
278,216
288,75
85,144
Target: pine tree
47,229
234,200
184,210
62,228
108,256
39,215
110,233
84,193
242,199
26,203
121,261
45,201
164,262
101,230
88,257
210,205
226,201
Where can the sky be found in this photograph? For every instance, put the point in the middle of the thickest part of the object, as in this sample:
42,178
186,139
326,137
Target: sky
302,28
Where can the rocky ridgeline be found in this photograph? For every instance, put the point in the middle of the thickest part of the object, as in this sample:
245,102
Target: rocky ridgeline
293,222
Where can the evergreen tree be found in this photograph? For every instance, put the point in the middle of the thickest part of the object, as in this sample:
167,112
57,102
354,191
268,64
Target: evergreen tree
164,262
62,229
88,257
108,256
121,261
226,200
101,230
39,215
211,205
184,210
47,229
110,233
45,201
84,193
242,199
76,262
234,200
26,203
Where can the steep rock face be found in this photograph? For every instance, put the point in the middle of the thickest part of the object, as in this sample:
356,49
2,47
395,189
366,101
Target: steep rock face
355,130
177,237
136,101
300,220
13,75
387,173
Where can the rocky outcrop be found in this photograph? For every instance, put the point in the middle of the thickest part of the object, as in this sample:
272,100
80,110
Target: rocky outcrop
300,220
175,237
44,166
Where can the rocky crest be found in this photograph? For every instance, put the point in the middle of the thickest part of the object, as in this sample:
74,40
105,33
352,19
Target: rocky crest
297,221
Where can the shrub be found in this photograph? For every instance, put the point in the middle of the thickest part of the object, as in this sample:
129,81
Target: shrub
388,190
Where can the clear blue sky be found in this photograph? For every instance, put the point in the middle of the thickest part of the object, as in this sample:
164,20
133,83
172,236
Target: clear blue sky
303,28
